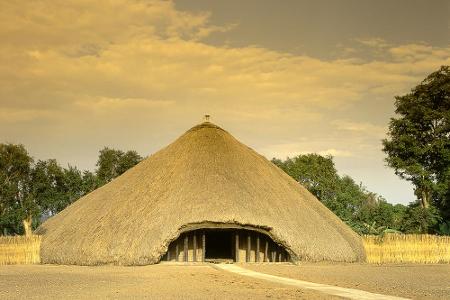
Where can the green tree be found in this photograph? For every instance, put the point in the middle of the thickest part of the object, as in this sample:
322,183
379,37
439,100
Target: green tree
16,203
349,199
364,211
315,172
54,187
90,182
418,143
382,214
128,160
47,185
31,191
112,163
74,186
419,219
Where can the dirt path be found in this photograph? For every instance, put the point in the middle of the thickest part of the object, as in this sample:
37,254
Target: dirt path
162,281
179,281
326,289
403,280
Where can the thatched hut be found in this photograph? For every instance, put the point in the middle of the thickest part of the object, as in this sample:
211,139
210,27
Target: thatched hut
205,196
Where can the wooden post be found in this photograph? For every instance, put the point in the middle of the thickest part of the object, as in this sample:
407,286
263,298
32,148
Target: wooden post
266,251
257,248
186,246
249,245
168,253
195,247
27,225
236,247
177,250
203,246
279,255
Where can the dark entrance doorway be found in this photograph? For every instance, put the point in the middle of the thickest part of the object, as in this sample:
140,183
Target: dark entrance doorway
225,245
219,244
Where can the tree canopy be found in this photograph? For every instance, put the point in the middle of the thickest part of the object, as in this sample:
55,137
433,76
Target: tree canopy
16,203
32,191
112,163
317,173
364,211
418,143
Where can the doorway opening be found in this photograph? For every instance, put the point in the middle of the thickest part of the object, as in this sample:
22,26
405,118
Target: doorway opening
219,244
229,244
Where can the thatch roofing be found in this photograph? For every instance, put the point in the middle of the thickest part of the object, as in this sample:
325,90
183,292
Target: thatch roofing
205,176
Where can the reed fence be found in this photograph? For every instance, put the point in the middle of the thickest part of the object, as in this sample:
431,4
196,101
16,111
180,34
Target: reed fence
407,248
389,248
20,250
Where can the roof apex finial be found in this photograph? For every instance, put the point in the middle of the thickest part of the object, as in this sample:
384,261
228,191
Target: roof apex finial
206,118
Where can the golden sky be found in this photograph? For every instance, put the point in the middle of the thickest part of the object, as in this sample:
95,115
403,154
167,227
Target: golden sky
79,75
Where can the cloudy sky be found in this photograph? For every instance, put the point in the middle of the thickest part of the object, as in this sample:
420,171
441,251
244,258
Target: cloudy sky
284,77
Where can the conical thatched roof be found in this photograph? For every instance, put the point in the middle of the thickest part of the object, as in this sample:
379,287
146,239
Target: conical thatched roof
206,175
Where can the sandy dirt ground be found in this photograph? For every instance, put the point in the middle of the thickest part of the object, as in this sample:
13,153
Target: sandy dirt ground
162,281
172,281
405,280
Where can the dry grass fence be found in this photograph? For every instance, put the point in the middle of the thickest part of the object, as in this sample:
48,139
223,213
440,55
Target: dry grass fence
390,248
20,250
407,248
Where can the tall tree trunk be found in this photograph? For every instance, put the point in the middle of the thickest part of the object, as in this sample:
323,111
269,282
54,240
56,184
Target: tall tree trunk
425,199
27,225
423,193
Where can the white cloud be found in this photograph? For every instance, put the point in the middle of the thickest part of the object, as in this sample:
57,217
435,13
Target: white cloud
364,128
103,104
373,42
285,150
335,153
122,53
11,115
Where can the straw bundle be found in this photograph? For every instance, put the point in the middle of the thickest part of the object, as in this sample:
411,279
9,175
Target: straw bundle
19,250
205,176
